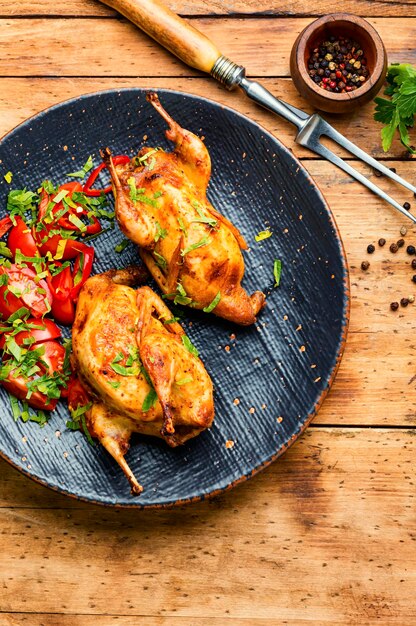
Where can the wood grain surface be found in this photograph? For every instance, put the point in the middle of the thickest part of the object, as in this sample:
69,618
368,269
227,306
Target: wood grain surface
78,47
275,548
326,534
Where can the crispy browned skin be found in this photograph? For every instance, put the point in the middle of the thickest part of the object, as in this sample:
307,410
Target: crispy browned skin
170,216
113,322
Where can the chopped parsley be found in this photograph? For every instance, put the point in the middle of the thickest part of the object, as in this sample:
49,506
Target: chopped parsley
121,246
202,242
277,270
8,177
189,345
78,421
184,381
60,196
160,260
179,296
263,234
21,410
88,165
160,232
210,307
149,401
204,219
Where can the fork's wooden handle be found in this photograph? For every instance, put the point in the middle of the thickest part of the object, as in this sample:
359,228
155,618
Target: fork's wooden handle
170,30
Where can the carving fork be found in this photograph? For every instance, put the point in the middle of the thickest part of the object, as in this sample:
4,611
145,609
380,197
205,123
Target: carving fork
196,50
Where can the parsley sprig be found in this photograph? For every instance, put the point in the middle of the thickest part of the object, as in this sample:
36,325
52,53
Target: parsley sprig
398,113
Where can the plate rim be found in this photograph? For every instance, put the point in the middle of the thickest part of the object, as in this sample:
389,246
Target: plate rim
345,319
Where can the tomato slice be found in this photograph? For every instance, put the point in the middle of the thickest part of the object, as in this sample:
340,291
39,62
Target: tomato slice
21,238
18,388
53,356
45,329
77,394
53,359
31,293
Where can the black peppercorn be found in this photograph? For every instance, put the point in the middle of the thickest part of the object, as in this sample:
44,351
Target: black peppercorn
381,242
394,247
404,302
414,264
400,243
414,278
370,248
406,206
378,173
365,265
343,62
411,250
394,306
392,169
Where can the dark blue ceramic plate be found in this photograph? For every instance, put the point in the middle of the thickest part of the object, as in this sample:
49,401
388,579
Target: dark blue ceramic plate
269,379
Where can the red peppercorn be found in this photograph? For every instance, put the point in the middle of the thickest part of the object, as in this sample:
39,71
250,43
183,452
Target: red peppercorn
332,84
338,74
348,88
342,66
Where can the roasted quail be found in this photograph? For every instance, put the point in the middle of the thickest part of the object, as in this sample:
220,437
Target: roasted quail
141,371
192,251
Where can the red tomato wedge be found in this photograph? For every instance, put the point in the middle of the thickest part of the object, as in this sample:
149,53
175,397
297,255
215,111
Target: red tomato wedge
77,395
53,359
45,329
21,238
28,292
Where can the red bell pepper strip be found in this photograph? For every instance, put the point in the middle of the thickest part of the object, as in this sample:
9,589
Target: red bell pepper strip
62,284
120,159
5,225
91,229
87,257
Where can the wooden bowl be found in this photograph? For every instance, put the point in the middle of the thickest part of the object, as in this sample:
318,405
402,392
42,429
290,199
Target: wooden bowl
338,24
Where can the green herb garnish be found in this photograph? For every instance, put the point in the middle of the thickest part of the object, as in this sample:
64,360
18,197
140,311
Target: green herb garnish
179,296
189,345
263,234
160,232
204,219
202,242
160,260
88,165
210,307
149,401
277,270
184,381
398,114
8,177
121,246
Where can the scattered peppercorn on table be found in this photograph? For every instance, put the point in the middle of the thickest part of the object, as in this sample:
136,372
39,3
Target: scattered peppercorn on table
324,535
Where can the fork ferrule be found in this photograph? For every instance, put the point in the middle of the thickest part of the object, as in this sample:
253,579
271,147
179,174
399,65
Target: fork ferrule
227,72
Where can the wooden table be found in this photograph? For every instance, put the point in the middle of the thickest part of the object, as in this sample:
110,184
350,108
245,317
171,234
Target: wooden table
327,533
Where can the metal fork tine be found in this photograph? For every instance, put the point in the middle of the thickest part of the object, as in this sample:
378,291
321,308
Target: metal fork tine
329,131
336,160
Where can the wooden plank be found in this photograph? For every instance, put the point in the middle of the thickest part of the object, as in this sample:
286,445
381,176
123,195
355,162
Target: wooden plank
91,47
28,96
324,535
53,619
214,7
